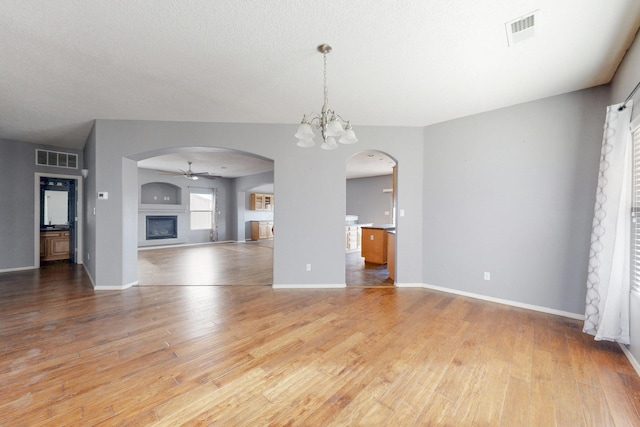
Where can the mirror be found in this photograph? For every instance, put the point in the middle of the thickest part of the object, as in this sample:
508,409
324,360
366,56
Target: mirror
56,204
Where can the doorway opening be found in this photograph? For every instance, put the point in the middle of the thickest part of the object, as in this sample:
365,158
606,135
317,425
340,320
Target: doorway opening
370,220
211,216
56,230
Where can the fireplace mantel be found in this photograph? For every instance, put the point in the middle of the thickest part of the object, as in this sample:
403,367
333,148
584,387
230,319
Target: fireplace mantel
161,208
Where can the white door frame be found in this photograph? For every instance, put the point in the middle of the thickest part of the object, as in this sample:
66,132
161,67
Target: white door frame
36,221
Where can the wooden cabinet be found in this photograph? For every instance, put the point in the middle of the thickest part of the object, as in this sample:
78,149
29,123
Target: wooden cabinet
353,237
262,202
54,245
374,245
391,254
261,230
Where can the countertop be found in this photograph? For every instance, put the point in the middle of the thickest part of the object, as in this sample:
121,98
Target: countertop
381,226
52,228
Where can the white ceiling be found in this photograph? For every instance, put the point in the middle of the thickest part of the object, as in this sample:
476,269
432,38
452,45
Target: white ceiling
233,164
216,161
405,63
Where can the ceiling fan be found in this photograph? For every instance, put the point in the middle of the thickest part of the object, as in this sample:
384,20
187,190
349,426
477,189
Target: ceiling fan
189,174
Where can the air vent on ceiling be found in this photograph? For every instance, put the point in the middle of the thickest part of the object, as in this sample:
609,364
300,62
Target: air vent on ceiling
522,28
56,159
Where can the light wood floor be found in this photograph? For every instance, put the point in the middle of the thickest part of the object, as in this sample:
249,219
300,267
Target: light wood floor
254,355
230,263
249,263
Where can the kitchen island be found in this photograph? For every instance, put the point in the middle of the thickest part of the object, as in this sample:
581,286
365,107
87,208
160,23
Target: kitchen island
374,243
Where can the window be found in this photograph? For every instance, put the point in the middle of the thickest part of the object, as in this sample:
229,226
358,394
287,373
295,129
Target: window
201,208
635,213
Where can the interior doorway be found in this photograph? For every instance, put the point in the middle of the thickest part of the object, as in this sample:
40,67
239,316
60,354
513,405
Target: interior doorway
234,177
57,230
370,220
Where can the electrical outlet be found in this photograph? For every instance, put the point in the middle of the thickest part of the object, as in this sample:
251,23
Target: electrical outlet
487,275
308,267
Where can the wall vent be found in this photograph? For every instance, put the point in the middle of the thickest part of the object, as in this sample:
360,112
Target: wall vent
522,28
56,159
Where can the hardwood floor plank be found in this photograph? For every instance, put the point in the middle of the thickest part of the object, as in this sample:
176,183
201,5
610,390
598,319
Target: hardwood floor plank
595,409
517,402
253,355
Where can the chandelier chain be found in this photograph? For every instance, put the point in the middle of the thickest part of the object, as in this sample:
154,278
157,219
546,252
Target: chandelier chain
326,91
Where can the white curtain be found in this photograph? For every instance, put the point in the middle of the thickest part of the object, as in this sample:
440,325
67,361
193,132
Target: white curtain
607,302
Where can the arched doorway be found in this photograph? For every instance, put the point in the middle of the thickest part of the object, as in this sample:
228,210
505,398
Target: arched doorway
370,232
207,245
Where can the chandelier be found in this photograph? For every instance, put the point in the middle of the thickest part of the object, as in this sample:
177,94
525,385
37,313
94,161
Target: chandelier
329,123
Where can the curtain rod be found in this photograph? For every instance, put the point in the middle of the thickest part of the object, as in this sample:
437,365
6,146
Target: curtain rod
624,104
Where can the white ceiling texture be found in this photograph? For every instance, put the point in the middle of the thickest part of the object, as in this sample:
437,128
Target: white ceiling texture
394,62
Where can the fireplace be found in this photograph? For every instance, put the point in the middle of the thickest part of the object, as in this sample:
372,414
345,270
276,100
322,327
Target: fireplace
162,227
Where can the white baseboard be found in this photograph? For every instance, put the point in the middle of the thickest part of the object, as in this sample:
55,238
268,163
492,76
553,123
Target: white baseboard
311,286
89,275
107,287
632,359
7,270
115,287
508,302
409,285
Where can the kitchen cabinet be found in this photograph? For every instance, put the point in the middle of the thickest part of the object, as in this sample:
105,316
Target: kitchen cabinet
391,254
353,237
54,245
374,244
262,202
261,230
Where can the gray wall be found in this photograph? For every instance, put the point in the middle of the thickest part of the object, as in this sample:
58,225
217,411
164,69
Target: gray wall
366,199
511,192
17,200
310,186
185,234
243,188
89,200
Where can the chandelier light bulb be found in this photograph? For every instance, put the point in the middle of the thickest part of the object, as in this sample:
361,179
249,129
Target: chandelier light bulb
329,144
306,143
304,130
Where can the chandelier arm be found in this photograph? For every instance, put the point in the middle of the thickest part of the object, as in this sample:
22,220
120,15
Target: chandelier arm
338,116
317,118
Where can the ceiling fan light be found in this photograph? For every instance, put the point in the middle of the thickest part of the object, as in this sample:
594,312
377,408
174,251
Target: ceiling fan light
305,131
349,137
306,143
329,144
334,128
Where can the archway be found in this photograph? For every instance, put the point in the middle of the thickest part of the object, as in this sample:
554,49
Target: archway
214,199
370,232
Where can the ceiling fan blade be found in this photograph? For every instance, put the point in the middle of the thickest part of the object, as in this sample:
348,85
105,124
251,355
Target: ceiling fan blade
207,175
169,173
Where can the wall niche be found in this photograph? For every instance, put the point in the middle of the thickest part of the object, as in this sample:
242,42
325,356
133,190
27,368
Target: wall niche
160,193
